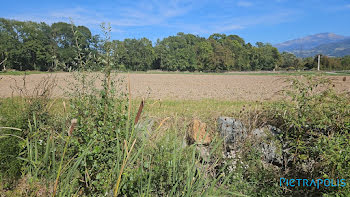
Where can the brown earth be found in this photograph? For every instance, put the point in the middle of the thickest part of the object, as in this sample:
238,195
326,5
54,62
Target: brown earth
177,86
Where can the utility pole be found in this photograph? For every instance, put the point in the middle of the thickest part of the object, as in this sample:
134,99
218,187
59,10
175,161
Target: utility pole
318,63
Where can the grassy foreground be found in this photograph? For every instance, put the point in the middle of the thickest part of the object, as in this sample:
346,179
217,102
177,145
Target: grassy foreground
103,152
167,168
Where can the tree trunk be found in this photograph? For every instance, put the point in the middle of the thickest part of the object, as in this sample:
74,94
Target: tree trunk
4,69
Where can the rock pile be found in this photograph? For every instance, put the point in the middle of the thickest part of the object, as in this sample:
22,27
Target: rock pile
266,139
231,130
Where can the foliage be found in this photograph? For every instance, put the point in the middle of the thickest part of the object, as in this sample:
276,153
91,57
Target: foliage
21,113
315,124
289,60
101,116
38,46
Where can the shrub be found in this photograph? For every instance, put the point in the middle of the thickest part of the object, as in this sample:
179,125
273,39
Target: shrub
315,124
18,112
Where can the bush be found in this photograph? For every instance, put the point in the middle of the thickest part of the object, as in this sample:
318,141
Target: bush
18,112
315,124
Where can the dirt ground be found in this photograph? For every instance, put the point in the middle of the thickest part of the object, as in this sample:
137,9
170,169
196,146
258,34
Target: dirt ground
177,86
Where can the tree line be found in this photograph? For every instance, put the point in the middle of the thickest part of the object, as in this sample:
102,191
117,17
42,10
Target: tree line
39,46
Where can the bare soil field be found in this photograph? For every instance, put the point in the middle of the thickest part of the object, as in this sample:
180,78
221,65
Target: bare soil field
179,86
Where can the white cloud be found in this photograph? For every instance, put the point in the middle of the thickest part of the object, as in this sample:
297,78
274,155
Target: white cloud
244,4
160,14
227,27
78,15
141,13
229,24
280,1
238,23
146,13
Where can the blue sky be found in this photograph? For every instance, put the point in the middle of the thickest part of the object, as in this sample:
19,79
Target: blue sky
270,21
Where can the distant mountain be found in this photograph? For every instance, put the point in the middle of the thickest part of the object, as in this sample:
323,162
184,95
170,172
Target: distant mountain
309,42
326,43
336,49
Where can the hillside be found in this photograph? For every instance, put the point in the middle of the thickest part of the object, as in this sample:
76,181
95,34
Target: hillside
309,42
325,43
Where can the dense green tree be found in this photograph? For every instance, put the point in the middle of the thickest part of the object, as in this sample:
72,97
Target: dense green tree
204,56
289,60
218,37
66,38
309,63
328,63
223,57
9,42
5,44
177,52
268,56
38,46
345,62
134,54
26,43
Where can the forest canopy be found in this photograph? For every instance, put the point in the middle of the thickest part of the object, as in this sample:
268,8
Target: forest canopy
39,46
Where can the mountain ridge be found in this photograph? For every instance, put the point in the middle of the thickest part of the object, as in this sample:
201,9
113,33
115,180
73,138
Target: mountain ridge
325,43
